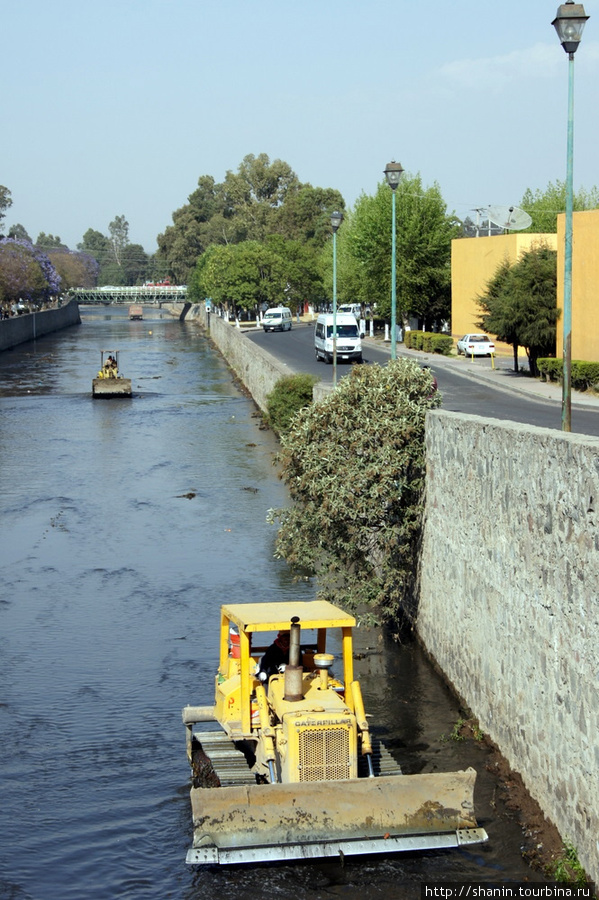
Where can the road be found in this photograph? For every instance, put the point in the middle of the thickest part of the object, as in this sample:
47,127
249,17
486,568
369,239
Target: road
462,391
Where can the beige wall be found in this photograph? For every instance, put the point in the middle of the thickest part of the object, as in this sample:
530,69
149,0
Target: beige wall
585,284
474,261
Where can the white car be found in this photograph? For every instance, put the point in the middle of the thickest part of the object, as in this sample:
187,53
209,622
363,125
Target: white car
476,345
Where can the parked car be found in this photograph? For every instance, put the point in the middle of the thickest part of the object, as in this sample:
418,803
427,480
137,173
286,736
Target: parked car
476,345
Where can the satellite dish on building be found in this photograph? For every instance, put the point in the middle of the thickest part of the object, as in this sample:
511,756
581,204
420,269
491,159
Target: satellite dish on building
510,218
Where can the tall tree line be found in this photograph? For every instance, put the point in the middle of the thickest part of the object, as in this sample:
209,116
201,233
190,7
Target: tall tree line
262,237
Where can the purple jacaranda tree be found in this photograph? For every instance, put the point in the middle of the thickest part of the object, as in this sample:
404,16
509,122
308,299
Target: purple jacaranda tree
26,272
75,269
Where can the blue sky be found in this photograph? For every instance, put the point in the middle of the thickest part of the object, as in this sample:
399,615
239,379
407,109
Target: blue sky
118,107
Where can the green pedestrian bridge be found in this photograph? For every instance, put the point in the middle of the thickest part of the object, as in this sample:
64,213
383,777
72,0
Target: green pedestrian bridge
147,295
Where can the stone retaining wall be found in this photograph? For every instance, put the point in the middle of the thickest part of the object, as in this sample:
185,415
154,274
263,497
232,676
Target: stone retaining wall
257,369
508,601
30,326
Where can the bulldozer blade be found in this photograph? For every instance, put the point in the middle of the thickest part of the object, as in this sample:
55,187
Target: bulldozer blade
254,823
211,855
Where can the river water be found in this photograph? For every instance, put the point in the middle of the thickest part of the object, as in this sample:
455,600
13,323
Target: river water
125,525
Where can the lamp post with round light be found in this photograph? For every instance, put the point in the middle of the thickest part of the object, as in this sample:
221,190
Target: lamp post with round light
393,174
336,220
569,24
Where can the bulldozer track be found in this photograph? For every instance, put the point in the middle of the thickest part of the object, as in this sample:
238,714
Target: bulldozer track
228,762
382,761
231,766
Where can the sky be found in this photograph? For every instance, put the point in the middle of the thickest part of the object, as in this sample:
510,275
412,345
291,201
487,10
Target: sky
118,107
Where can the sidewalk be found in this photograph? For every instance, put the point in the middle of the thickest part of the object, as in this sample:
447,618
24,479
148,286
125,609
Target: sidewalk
502,376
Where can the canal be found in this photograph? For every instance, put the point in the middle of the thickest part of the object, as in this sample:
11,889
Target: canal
126,524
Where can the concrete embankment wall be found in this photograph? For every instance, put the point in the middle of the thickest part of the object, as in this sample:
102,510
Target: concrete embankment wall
31,326
257,369
509,606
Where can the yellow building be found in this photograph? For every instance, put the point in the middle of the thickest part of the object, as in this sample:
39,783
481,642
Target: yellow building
474,261
585,284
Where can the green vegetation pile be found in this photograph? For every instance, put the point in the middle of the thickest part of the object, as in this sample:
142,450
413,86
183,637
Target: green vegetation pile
290,395
354,465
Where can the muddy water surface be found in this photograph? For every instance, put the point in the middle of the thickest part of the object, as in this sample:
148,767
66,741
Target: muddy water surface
125,525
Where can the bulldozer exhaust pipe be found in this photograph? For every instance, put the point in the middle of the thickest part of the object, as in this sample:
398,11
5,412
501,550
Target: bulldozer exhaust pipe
294,642
294,672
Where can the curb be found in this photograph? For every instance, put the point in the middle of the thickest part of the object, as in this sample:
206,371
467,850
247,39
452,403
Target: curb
533,389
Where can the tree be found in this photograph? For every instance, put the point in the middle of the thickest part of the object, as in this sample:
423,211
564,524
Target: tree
544,206
259,200
75,269
135,263
520,304
119,237
257,192
26,272
498,316
5,202
355,467
95,243
241,275
250,274
49,241
305,215
296,266
119,261
424,234
203,221
18,231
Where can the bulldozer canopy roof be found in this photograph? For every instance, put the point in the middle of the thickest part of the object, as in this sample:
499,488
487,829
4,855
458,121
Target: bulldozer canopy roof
277,616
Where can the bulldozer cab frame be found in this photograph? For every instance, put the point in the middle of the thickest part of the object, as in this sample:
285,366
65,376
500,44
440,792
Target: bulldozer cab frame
254,619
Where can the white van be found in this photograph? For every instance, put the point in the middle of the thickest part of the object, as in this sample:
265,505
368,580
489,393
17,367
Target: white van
353,308
349,343
277,319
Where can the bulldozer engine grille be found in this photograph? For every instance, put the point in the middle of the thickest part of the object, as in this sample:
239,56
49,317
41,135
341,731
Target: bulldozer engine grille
324,754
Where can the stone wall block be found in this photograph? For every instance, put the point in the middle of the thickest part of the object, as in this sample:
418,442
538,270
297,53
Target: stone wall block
510,575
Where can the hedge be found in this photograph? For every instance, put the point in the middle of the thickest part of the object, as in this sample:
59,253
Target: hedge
429,342
584,375
290,394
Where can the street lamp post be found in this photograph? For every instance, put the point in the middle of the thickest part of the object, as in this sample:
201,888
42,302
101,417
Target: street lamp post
393,174
336,220
569,24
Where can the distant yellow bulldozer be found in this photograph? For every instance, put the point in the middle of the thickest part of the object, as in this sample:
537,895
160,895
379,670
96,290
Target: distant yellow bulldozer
292,771
109,382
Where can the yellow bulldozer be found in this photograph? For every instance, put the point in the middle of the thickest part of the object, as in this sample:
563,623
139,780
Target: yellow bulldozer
284,765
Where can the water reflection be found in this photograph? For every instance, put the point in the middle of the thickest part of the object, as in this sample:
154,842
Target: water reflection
126,525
